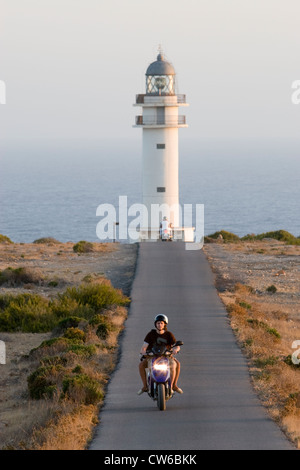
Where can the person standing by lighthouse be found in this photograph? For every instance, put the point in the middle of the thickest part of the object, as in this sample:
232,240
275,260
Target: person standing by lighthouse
160,122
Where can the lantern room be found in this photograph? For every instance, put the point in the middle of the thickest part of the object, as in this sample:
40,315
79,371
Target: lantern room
160,78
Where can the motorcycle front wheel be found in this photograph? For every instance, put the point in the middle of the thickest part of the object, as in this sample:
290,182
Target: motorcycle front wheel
161,398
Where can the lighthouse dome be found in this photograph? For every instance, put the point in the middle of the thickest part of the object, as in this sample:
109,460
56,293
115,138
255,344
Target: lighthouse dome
160,77
160,67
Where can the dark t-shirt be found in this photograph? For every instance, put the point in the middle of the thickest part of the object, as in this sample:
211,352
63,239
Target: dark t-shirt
166,338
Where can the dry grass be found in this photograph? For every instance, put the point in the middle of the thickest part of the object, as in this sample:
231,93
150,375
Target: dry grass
68,431
266,336
265,324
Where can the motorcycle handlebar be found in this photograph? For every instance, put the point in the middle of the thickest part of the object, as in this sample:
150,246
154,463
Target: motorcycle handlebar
149,355
166,353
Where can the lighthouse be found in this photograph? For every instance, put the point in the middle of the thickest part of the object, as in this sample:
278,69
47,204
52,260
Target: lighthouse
160,121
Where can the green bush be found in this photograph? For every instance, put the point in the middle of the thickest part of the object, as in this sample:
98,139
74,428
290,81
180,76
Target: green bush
34,313
82,349
69,322
266,361
280,235
83,389
45,240
103,330
95,296
245,305
65,307
58,343
26,313
227,236
40,383
97,319
272,289
75,334
83,247
5,239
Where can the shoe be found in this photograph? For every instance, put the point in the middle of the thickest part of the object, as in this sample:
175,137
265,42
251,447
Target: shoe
178,390
143,390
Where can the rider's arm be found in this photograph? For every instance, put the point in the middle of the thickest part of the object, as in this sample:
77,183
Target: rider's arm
144,348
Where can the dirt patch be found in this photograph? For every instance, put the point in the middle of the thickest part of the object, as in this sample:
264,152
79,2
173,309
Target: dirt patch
60,266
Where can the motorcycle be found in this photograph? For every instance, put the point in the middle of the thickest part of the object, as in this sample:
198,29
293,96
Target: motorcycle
166,232
166,235
158,374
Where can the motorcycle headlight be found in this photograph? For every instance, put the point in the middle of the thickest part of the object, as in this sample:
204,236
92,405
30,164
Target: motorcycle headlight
162,367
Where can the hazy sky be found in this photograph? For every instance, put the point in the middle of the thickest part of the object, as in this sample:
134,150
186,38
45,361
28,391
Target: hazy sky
72,68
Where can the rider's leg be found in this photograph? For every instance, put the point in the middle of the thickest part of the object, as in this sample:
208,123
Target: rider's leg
177,373
173,372
142,368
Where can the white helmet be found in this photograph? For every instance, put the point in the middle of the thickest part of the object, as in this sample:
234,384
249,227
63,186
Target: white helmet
161,317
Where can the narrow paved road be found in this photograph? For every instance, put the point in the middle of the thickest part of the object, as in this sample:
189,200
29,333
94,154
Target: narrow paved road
218,409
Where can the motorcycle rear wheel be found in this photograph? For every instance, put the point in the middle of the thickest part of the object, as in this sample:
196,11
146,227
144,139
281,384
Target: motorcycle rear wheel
161,398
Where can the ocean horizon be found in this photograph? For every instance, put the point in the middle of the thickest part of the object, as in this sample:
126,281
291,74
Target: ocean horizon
53,189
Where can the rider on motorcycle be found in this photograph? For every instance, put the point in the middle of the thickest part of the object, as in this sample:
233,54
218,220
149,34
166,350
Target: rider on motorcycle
165,225
160,336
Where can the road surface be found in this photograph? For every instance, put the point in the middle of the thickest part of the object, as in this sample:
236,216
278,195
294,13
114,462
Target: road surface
218,410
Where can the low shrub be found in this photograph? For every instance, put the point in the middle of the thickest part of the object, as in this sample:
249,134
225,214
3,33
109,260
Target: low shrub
5,239
26,313
69,322
95,296
57,344
245,305
40,382
97,319
280,235
260,324
272,289
75,334
103,330
83,247
82,349
82,389
36,314
263,362
45,240
22,275
53,284
65,307
227,236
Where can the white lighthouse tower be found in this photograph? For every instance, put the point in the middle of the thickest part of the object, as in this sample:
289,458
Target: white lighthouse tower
160,122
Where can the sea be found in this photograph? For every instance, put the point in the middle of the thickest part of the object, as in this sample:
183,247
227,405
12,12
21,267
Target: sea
53,188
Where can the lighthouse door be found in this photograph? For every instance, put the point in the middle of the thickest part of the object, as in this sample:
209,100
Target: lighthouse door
160,115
